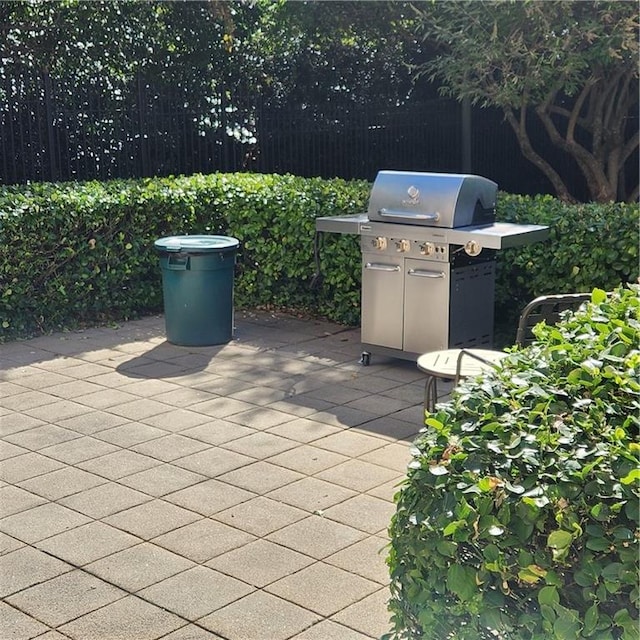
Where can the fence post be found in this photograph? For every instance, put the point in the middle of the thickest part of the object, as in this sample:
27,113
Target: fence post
48,105
466,135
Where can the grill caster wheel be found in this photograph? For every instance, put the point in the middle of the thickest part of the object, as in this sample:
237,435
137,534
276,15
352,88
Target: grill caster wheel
365,358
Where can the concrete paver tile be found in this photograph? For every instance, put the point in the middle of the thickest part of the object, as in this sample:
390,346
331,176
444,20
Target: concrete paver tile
186,397
56,411
8,450
300,406
14,499
338,394
151,519
203,540
366,558
303,430
176,420
341,416
209,497
40,437
387,490
350,443
65,597
391,428
260,563
162,480
150,387
221,407
16,625
139,408
25,567
260,516
213,462
357,475
79,450
311,494
308,459
259,616
28,399
217,431
73,389
129,434
260,395
369,615
43,379
316,536
125,619
195,592
104,500
105,399
323,588
8,544
260,477
394,456
260,417
169,447
119,464
13,422
192,632
92,422
41,522
61,483
138,567
87,543
260,445
328,630
367,513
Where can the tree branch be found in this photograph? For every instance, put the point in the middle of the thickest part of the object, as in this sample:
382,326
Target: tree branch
520,129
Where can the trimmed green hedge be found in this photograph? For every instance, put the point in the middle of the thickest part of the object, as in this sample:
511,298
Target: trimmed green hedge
519,516
82,253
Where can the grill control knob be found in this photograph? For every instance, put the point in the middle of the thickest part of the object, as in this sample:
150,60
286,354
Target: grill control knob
402,246
379,243
427,249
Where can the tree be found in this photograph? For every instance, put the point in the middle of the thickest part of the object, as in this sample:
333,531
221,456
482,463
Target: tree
570,66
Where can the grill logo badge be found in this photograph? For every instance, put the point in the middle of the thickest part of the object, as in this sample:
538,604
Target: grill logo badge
414,197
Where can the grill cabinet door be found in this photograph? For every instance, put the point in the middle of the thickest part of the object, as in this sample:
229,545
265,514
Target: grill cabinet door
382,300
426,315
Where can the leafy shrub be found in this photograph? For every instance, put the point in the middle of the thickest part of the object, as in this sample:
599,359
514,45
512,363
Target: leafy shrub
519,515
73,254
590,246
82,253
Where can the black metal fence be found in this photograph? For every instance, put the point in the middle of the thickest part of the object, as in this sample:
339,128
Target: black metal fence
59,130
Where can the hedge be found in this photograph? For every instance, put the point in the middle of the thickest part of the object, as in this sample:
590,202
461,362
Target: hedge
518,518
74,254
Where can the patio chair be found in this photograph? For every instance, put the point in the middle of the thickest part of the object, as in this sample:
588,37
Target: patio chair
456,364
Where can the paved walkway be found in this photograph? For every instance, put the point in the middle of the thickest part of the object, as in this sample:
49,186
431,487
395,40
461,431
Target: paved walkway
243,491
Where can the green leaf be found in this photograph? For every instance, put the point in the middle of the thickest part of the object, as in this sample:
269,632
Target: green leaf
559,539
548,596
462,581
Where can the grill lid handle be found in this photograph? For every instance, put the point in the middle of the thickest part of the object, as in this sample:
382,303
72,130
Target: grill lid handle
409,214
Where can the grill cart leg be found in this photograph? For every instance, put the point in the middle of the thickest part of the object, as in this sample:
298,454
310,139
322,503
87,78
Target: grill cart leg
365,358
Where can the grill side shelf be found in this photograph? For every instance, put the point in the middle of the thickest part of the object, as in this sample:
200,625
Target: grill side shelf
341,224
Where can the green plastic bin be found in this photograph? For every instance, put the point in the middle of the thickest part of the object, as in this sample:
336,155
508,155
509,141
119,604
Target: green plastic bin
197,285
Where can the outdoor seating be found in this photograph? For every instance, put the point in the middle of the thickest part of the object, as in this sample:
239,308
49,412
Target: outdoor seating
457,364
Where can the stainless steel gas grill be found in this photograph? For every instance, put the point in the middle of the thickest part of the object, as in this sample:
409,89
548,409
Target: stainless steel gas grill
429,243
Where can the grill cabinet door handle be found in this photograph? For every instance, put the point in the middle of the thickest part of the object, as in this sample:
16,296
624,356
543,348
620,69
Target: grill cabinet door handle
410,215
375,266
426,274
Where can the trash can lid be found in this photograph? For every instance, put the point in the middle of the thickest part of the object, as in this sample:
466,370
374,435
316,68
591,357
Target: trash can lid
193,244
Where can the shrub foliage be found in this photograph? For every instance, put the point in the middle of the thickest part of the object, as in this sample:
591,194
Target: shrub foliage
82,253
518,518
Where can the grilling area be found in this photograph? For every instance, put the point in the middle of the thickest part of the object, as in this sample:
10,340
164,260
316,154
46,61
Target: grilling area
429,243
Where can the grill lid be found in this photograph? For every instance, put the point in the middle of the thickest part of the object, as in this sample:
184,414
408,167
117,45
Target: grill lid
432,199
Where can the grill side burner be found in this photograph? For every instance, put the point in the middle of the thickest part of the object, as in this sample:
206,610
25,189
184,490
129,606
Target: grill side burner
429,246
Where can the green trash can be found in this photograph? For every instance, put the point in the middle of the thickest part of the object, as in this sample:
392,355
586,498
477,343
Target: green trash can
197,285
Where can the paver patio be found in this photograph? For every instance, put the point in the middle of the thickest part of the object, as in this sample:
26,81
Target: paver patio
240,491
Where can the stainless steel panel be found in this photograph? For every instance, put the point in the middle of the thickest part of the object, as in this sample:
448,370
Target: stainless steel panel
426,311
432,199
382,300
341,224
499,235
